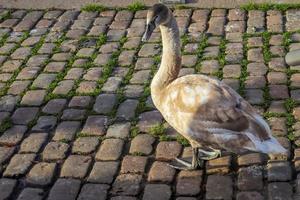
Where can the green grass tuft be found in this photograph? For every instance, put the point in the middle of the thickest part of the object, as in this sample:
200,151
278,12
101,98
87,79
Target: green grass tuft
6,124
290,104
244,63
138,154
3,39
6,15
101,40
268,115
93,8
157,59
165,138
287,40
291,137
184,40
136,6
134,131
268,6
182,140
64,141
266,47
80,134
157,130
267,97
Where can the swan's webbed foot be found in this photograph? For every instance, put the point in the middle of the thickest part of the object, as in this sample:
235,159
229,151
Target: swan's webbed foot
199,156
210,155
197,162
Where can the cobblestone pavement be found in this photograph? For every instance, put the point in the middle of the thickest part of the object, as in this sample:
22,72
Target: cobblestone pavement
77,120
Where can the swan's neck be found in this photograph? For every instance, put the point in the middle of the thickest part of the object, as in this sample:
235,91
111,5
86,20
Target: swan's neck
171,57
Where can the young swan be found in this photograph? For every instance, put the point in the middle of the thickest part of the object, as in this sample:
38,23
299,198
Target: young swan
207,112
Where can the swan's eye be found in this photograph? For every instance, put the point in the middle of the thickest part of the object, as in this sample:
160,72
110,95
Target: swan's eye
154,19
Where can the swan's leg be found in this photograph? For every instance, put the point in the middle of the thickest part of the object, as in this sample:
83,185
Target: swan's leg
183,162
196,162
210,155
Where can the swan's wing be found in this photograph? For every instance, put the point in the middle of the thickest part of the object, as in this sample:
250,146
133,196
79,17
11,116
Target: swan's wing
219,117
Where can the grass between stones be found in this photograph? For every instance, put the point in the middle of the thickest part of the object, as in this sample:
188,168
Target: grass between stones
202,45
221,59
3,39
6,124
267,57
159,131
5,16
94,8
136,6
244,63
290,103
268,6
133,7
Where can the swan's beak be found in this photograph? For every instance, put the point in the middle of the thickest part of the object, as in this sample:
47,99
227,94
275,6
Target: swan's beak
149,29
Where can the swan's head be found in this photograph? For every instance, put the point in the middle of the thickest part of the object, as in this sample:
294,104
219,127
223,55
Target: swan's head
159,14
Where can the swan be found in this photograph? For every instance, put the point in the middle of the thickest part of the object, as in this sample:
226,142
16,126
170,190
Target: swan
208,113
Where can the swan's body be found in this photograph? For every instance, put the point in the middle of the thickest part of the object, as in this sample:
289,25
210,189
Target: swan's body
204,110
211,114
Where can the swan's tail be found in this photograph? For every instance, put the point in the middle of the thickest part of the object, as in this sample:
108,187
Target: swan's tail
270,146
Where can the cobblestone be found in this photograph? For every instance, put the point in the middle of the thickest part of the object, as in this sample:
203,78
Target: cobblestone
188,183
66,130
6,153
219,187
73,114
148,120
161,172
279,171
103,172
142,144
250,178
45,123
54,106
119,130
64,189
85,145
18,87
110,149
105,103
127,109
24,115
31,193
19,165
55,151
76,166
279,190
168,150
127,184
41,174
7,186
95,125
33,143
249,195
157,191
134,164
93,192
254,82
220,165
13,136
